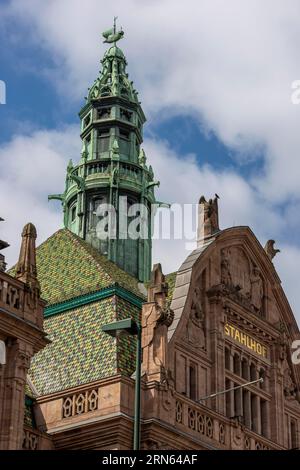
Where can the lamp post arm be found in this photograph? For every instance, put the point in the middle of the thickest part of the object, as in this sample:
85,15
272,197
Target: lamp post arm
213,395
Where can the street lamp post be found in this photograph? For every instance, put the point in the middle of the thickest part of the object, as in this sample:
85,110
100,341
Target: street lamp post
130,327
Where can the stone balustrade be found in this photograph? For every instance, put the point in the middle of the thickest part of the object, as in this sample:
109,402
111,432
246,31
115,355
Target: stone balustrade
215,431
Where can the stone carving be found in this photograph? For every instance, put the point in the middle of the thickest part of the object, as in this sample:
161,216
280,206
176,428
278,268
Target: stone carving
208,218
195,325
225,268
156,318
285,367
241,280
270,250
235,270
237,435
13,297
30,440
168,388
289,386
80,403
23,360
257,290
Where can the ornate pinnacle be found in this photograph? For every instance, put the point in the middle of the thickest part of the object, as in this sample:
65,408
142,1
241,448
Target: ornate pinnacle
26,266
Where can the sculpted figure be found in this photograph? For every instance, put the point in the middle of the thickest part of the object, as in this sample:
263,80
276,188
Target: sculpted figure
270,249
195,326
257,290
225,268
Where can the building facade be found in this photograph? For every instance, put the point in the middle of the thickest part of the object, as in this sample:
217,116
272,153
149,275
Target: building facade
21,337
220,323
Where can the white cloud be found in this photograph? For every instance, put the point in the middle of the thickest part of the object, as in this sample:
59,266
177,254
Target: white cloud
229,63
34,166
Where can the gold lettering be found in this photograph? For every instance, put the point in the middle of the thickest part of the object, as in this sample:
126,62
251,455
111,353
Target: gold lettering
243,339
237,336
253,345
246,340
232,331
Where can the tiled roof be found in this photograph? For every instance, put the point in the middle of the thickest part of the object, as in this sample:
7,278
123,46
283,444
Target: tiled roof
80,353
68,267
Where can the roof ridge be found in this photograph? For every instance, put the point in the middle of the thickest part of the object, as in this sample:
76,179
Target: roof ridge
78,243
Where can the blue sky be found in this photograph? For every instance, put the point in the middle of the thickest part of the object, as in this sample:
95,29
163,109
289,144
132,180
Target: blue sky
216,95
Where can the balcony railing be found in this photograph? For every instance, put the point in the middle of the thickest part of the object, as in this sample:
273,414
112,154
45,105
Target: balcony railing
213,429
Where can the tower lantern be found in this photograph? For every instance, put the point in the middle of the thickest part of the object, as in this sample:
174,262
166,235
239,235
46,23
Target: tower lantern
112,175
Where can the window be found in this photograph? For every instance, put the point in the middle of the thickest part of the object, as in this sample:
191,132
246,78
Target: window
103,140
236,364
237,401
254,412
228,398
227,359
264,417
104,113
253,372
192,374
293,430
94,204
245,369
125,114
87,121
73,213
124,142
262,374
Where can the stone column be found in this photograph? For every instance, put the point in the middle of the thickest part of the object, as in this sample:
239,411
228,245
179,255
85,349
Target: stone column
18,361
217,344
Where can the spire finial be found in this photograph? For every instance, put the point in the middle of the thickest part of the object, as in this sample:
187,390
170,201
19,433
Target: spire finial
111,35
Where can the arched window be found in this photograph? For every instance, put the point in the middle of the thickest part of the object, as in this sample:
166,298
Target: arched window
73,213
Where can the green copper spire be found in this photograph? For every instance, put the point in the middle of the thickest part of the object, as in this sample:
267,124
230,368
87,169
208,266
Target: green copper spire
112,166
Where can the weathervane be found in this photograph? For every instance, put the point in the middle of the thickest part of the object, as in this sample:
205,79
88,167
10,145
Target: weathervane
111,35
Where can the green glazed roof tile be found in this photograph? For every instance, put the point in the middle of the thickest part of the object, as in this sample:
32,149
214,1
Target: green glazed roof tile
68,267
